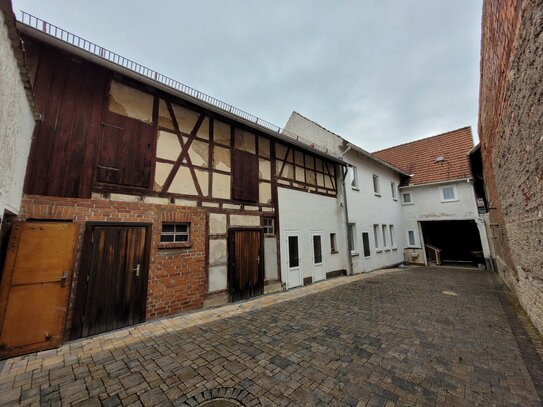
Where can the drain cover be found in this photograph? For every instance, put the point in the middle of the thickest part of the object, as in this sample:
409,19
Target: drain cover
221,403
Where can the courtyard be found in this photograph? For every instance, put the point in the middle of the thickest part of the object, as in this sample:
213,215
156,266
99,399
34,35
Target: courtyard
419,336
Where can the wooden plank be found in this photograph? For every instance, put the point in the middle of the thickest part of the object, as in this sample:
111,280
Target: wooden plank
35,286
245,176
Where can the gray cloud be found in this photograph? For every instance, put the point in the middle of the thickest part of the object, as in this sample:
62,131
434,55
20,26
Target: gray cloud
378,73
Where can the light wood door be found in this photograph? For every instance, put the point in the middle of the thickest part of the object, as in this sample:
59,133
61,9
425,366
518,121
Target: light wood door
35,286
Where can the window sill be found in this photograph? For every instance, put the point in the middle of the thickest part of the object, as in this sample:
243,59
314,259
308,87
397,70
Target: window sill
378,250
377,195
355,254
394,248
395,199
355,188
334,252
449,200
407,204
387,250
174,246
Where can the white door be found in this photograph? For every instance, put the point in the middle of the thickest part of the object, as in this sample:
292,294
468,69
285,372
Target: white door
318,269
294,275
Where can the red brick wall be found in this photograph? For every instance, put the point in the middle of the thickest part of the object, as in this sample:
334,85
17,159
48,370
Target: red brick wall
510,129
177,277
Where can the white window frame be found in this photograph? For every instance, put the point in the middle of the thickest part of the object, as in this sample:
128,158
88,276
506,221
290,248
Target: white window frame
414,245
175,233
376,233
352,239
442,193
376,185
391,231
354,181
369,243
410,198
393,190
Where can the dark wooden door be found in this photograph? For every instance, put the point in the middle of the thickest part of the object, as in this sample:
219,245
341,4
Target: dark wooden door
246,263
35,286
112,289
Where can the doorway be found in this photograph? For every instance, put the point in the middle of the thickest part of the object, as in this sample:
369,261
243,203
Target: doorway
294,274
246,263
318,268
112,288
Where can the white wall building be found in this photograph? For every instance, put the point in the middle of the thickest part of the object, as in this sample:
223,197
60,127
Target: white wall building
17,114
375,224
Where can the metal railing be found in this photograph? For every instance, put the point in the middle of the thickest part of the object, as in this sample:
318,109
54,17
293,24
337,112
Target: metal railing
104,53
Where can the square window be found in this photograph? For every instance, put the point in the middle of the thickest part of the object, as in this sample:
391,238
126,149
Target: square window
269,226
175,233
448,194
406,198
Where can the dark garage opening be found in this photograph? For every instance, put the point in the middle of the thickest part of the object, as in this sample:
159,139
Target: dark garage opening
458,240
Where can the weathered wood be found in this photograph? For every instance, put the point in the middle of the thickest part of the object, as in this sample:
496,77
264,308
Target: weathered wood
245,176
35,286
246,263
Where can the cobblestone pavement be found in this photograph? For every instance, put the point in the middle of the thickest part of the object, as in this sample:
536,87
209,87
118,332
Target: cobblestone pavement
392,338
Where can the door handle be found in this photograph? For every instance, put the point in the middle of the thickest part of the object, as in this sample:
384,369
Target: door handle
63,279
137,270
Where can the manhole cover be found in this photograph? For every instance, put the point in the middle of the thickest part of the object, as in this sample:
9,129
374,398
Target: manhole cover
221,403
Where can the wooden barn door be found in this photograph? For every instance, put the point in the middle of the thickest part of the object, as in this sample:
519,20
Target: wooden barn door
113,282
35,286
246,263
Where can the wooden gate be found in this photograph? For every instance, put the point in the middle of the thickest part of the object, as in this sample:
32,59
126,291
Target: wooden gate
112,287
35,286
246,263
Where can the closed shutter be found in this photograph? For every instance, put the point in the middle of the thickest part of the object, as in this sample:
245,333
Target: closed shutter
245,176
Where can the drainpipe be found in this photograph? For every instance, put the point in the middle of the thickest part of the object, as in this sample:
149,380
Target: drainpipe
349,256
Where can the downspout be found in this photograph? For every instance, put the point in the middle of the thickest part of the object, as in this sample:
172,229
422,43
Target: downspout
349,256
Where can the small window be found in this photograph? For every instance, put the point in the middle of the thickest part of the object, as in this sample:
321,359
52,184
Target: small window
393,190
376,188
352,237
448,194
376,235
354,175
175,233
411,237
333,245
391,229
366,244
269,226
406,198
384,227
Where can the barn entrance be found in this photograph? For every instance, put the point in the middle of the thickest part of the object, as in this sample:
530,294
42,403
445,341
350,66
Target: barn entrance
451,242
112,282
245,263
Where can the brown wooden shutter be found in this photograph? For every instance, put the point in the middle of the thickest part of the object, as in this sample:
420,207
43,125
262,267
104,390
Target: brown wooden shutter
245,176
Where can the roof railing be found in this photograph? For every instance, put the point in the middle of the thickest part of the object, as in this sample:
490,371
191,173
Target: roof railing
110,56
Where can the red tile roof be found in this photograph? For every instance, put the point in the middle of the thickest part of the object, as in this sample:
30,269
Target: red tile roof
419,157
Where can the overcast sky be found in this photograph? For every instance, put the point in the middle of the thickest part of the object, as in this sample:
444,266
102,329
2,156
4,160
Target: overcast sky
377,72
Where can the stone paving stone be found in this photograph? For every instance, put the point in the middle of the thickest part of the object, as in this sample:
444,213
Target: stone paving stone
390,338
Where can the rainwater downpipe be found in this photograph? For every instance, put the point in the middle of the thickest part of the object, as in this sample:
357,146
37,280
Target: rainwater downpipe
349,256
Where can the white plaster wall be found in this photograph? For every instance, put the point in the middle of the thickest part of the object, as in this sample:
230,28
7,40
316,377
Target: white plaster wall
16,127
366,209
427,206
305,213
311,131
270,259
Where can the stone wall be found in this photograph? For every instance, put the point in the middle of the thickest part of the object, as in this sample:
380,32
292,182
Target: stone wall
177,277
510,129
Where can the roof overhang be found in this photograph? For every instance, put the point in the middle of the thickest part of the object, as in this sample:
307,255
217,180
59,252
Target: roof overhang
376,159
58,43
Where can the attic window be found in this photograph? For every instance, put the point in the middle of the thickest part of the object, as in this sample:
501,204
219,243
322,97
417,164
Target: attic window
440,159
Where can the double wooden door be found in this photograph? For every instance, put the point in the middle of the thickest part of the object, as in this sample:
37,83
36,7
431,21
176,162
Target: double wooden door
246,263
36,286
112,285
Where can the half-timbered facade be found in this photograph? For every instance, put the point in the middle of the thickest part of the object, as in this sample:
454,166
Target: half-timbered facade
161,199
